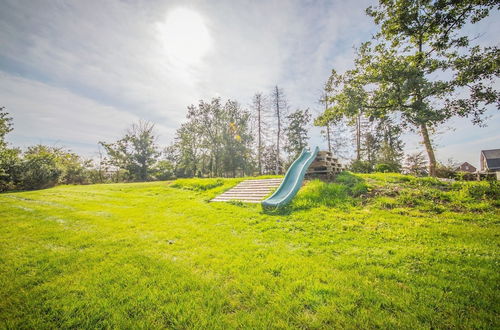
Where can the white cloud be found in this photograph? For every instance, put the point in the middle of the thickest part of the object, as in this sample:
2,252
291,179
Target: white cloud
54,116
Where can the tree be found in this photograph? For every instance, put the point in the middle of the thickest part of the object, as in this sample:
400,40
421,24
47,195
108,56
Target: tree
186,151
207,122
5,126
420,67
415,164
325,123
10,168
40,168
10,161
73,167
417,42
296,132
390,153
269,160
236,139
279,104
215,141
334,131
136,152
258,106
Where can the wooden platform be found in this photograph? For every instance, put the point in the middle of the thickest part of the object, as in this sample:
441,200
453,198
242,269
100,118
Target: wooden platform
325,166
249,191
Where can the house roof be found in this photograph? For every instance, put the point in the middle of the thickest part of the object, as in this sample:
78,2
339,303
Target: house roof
466,163
492,158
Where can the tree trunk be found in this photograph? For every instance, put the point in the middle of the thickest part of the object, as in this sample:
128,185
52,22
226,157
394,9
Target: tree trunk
259,151
278,147
429,148
358,137
328,127
279,132
328,137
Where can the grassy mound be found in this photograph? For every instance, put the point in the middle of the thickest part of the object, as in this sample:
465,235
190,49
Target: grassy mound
375,250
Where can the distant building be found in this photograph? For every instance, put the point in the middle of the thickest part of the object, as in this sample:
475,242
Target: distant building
466,167
490,161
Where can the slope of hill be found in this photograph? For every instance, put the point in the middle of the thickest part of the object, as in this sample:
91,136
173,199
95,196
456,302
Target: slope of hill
379,250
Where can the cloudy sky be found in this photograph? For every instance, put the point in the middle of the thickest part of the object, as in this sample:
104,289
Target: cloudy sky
73,73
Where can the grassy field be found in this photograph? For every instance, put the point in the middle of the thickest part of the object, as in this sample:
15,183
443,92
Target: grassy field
369,251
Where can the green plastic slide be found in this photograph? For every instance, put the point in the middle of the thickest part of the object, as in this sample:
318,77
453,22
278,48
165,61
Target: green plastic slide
292,181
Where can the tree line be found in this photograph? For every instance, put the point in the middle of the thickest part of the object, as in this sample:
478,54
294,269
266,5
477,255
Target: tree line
416,73
217,139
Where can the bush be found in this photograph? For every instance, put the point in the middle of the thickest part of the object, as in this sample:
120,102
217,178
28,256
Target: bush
74,169
387,168
445,171
163,170
359,166
40,168
198,184
10,168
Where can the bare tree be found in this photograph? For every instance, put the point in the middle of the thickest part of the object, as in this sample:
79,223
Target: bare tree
258,105
279,104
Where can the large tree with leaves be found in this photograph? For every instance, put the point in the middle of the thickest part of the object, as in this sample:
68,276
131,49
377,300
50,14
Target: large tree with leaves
420,66
296,132
9,157
215,141
136,152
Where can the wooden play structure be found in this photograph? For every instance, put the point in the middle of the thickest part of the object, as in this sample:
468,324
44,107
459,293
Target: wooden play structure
325,166
311,164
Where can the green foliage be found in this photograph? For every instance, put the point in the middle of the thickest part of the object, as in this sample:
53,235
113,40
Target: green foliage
197,184
415,164
5,126
163,170
342,192
215,141
400,71
296,132
429,194
149,255
317,193
10,168
74,168
136,152
386,168
9,158
360,166
40,168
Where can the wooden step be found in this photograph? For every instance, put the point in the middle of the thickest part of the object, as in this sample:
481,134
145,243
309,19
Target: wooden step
249,191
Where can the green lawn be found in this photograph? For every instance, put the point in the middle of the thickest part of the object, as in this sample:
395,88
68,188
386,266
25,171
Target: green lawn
371,251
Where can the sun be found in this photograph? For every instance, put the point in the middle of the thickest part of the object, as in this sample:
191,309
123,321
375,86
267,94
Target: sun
184,36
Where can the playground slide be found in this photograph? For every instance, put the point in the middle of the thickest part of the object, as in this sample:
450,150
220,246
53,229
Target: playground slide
292,181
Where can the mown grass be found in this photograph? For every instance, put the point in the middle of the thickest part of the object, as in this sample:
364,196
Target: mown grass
367,251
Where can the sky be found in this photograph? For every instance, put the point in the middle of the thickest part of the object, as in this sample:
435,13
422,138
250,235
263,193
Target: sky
73,73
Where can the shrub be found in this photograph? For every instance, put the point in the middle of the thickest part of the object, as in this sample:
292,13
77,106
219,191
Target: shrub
74,169
387,168
40,168
10,168
359,166
198,184
163,170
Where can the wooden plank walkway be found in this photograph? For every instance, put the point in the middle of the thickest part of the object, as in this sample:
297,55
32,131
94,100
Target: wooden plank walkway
249,191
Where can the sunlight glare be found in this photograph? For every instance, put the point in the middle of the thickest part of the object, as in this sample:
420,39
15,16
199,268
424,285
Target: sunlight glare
184,36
